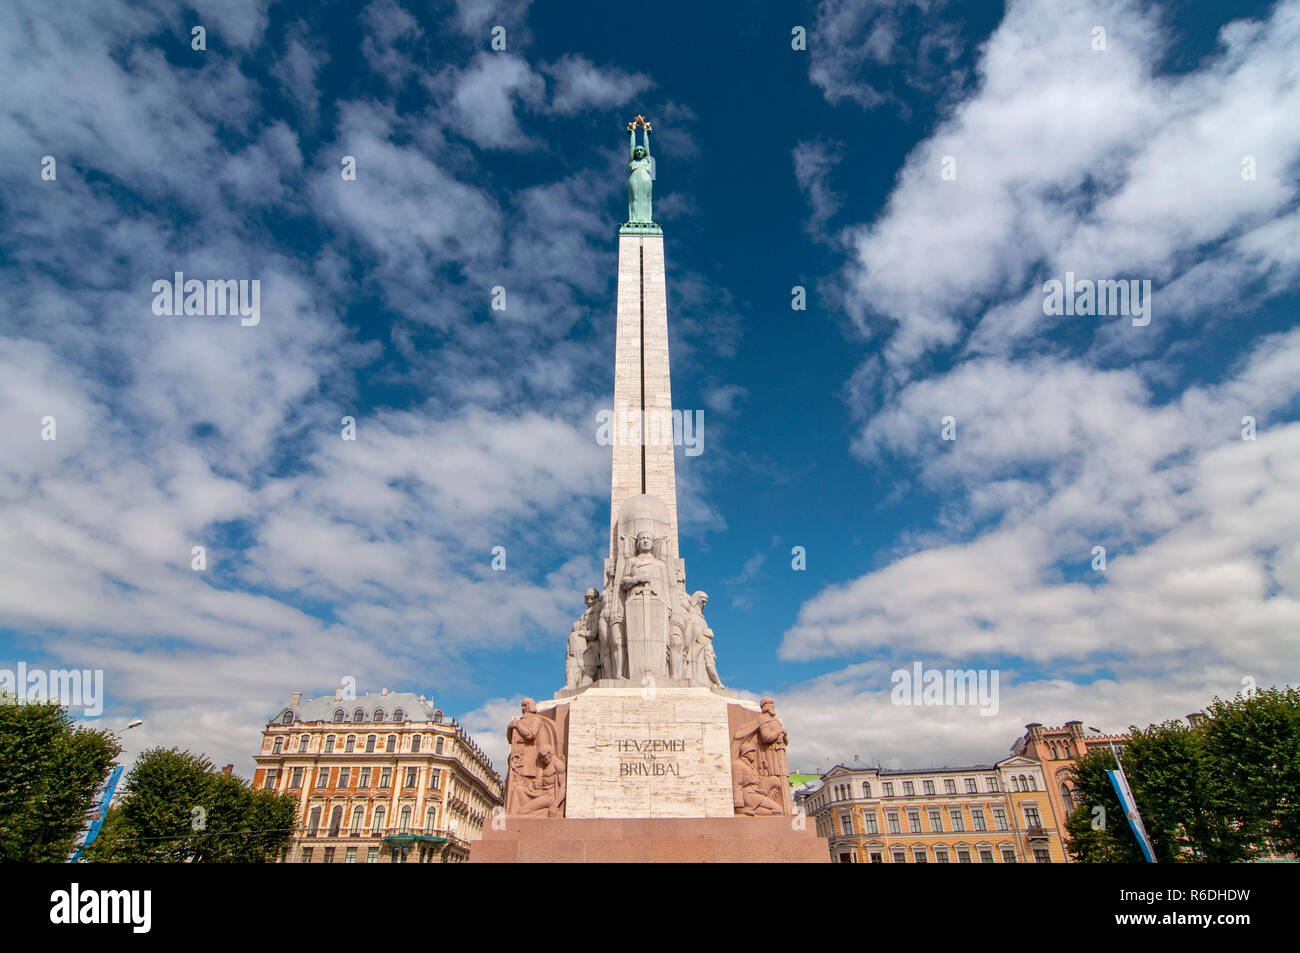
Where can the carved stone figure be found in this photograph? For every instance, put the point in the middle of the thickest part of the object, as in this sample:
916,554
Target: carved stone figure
646,607
754,794
535,783
609,623
703,663
763,733
577,670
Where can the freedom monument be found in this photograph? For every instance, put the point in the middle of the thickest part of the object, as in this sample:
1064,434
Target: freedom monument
644,756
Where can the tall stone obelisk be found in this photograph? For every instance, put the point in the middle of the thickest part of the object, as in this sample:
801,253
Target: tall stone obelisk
643,402
643,755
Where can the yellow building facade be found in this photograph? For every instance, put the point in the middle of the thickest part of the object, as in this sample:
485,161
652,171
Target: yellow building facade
380,778
984,814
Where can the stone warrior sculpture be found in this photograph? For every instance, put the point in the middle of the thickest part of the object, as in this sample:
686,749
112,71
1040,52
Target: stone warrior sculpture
638,178
535,783
646,607
760,744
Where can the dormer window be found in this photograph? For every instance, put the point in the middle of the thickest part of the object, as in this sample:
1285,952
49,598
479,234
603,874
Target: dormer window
379,714
287,719
359,715
338,715
397,715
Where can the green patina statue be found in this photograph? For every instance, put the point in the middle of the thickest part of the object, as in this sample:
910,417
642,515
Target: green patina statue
639,181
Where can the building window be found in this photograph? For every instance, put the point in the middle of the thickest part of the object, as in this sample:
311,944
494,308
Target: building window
379,714
876,857
404,818
870,818
908,788
415,744
302,744
338,716
364,780
846,822
900,855
287,719
358,819
372,855
1032,819
329,744
914,822
999,819
1067,798
954,814
329,855
949,786
351,856
350,745
1014,784
963,855
1042,855
392,744
306,855
386,777
927,787
437,748
398,715
940,855
993,783
377,823
866,789
313,822
431,819
936,821
1008,855
892,818
918,855
271,777
345,775
323,778
970,786
370,743
278,746
359,715
434,776
336,820
295,780
889,789
977,819
412,777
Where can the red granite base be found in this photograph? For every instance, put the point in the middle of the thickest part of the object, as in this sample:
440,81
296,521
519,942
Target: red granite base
725,840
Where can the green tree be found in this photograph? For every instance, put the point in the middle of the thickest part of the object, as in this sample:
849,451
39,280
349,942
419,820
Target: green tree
1254,743
49,770
178,808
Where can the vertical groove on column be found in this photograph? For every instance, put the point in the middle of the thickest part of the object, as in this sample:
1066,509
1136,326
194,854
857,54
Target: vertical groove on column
640,245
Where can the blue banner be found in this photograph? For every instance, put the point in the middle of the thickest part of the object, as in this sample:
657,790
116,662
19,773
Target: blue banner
98,820
1129,803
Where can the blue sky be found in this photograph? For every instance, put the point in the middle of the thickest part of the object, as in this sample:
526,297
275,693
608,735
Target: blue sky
476,428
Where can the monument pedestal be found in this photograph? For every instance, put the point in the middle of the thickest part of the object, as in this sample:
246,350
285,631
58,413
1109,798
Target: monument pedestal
661,840
652,777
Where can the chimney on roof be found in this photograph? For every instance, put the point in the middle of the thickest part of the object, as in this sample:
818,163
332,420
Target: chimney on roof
295,699
338,693
384,692
227,770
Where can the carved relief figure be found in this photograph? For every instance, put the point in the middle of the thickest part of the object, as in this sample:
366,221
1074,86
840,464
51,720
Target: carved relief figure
577,672
759,741
610,629
703,660
535,783
646,605
753,792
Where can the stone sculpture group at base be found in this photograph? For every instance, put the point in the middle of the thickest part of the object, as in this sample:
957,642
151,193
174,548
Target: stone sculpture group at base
643,623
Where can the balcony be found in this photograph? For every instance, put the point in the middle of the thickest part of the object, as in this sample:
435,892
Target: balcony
1036,832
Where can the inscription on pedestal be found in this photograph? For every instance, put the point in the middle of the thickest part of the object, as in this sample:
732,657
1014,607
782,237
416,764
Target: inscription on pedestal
663,755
